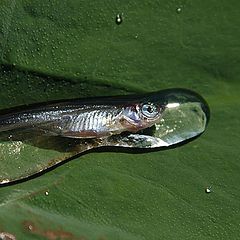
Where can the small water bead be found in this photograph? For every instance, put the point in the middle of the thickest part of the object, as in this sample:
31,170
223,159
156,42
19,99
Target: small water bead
208,189
119,19
179,10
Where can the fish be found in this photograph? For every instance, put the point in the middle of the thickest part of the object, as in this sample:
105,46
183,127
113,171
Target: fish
34,138
98,117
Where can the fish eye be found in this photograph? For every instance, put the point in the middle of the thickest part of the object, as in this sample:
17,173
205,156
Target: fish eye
149,110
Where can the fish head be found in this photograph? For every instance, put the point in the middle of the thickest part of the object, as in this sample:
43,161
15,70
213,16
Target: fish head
141,115
155,108
181,115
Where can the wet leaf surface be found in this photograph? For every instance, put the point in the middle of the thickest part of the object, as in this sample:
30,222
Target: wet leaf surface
52,50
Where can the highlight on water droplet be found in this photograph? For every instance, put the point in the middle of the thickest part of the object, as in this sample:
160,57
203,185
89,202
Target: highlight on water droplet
119,19
208,189
179,9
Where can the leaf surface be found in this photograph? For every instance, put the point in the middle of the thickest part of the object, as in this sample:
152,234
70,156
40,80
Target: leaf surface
55,50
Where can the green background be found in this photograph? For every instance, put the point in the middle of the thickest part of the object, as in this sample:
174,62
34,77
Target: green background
71,48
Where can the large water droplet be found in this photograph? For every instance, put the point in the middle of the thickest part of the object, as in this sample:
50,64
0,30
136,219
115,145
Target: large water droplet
184,115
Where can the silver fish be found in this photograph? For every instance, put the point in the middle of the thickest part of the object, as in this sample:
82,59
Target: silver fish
93,118
40,136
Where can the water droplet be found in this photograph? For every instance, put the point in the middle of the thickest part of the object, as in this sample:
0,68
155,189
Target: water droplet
179,10
208,189
119,19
